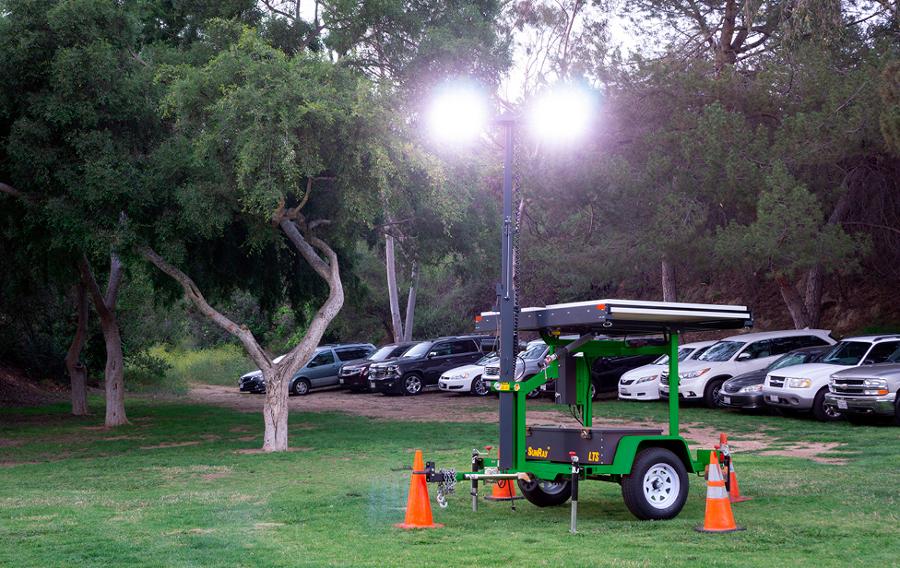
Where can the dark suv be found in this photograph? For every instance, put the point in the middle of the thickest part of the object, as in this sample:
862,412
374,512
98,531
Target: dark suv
424,363
355,375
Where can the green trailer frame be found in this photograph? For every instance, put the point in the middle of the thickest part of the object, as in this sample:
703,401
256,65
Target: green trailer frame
578,334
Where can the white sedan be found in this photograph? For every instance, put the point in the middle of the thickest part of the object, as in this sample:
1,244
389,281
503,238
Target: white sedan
642,383
467,378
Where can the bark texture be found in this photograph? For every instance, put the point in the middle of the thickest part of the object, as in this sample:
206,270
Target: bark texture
669,287
411,303
105,306
76,369
390,264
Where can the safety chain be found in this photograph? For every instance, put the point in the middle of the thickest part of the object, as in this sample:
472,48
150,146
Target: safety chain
446,487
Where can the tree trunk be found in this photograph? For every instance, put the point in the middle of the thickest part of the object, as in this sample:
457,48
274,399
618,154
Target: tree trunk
669,290
105,306
793,301
393,297
276,375
275,410
815,283
411,302
77,370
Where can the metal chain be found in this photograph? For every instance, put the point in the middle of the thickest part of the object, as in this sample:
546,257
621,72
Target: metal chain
446,487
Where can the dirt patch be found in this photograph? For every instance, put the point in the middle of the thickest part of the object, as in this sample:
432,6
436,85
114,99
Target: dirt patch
254,451
169,445
188,531
7,443
267,525
239,429
15,463
217,475
247,438
118,438
811,451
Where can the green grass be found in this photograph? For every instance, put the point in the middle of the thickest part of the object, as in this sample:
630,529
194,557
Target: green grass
220,365
96,498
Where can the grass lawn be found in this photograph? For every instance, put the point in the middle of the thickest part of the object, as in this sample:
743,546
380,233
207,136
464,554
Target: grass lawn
174,489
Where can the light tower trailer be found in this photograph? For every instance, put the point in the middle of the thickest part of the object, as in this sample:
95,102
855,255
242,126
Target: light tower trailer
548,462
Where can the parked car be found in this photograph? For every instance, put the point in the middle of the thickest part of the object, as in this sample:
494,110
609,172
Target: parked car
355,375
702,379
804,387
468,378
422,365
642,383
320,371
869,390
744,392
528,363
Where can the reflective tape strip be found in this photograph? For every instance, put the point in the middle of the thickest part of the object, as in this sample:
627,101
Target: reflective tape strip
716,492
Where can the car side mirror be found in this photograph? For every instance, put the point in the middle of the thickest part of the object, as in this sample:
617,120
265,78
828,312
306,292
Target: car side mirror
743,357
868,362
431,354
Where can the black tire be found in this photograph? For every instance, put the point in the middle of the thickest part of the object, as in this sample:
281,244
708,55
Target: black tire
594,390
711,392
479,387
822,412
657,487
545,493
412,384
301,387
897,410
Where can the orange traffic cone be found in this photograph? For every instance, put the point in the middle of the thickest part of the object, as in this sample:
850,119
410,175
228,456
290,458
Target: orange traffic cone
418,506
503,490
734,491
719,517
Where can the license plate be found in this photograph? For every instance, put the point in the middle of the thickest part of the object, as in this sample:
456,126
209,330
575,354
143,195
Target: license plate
341,381
371,384
842,404
772,398
726,399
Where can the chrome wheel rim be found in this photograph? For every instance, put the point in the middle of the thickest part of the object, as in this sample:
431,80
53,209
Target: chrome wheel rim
413,385
301,388
480,388
661,486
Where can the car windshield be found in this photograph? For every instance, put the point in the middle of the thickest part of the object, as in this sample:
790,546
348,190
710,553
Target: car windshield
383,353
418,350
788,360
847,353
721,351
683,353
533,351
487,359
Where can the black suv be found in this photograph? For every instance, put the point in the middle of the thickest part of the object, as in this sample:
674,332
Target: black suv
355,375
423,365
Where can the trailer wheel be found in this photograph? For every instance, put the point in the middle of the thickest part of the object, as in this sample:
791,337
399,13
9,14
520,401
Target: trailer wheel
657,487
545,493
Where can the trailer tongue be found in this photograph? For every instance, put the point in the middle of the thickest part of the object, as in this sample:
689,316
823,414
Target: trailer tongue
548,462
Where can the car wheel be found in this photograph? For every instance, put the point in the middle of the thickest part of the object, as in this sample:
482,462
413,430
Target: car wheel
479,387
897,411
822,412
536,393
412,384
711,393
545,493
301,387
593,390
657,487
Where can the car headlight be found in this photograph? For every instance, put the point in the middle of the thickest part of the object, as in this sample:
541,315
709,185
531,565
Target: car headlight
688,375
876,383
646,379
364,371
393,369
798,383
752,388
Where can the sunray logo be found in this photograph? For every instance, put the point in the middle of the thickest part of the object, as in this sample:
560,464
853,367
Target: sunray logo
538,452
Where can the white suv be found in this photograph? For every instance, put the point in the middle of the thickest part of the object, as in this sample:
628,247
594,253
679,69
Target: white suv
642,383
736,355
803,387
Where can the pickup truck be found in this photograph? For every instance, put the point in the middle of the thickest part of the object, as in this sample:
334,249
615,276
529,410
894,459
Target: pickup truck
868,390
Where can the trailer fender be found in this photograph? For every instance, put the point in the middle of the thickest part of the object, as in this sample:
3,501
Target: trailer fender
629,446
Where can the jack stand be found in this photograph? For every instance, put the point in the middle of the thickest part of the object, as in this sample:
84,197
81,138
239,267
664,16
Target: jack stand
573,524
477,465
